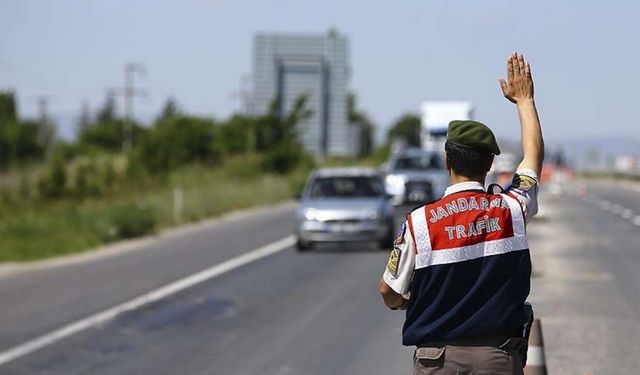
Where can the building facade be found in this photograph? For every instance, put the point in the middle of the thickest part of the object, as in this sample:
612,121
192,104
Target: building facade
286,66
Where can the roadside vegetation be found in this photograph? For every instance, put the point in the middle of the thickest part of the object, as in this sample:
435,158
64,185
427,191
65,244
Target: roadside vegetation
611,175
120,179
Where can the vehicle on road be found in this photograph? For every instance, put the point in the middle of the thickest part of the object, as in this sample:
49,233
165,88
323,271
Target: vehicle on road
435,121
415,176
344,205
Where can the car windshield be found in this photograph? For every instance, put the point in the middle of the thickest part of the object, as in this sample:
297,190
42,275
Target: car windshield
346,187
419,162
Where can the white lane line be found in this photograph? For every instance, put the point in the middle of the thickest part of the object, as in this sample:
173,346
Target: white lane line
147,298
627,213
605,205
636,220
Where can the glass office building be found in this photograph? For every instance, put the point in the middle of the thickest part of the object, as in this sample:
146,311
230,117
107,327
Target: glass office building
286,66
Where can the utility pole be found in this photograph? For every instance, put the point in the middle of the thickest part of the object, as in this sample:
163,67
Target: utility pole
129,92
43,107
47,131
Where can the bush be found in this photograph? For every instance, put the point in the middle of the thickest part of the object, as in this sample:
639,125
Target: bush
129,221
109,174
24,189
281,159
176,141
108,135
20,142
66,151
53,183
6,197
237,136
87,180
243,167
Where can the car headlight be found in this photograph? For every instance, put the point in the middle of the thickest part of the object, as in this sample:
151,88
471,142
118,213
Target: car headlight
311,214
395,181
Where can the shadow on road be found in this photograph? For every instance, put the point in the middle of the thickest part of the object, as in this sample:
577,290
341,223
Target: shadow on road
352,247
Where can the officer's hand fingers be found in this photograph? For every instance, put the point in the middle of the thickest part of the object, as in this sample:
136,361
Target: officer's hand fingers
510,68
521,64
516,65
527,70
503,86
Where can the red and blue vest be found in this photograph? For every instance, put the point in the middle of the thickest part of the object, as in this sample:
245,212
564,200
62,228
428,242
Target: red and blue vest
472,268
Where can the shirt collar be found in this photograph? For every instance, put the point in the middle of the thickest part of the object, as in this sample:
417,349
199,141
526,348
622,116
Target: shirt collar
462,186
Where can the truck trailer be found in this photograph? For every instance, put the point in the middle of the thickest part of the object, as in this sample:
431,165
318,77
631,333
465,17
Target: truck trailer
435,121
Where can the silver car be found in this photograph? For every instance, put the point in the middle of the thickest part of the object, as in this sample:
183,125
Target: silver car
415,176
344,204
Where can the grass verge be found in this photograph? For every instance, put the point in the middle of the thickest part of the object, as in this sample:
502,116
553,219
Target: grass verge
38,229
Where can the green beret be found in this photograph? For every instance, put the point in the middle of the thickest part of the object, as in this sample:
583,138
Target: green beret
472,134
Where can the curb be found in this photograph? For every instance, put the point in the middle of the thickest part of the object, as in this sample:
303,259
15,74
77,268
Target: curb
536,364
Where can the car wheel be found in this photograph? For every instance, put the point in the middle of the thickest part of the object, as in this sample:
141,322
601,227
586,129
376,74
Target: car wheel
387,242
302,246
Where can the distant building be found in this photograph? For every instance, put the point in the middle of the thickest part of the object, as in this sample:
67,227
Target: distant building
286,66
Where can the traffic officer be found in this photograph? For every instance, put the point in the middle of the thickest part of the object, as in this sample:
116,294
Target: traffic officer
461,266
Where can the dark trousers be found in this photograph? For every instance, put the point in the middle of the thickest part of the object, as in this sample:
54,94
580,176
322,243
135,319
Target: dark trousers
453,359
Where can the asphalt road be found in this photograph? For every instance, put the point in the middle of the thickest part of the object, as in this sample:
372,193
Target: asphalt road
318,312
586,284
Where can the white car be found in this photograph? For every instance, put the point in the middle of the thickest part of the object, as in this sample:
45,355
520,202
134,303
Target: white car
416,176
344,205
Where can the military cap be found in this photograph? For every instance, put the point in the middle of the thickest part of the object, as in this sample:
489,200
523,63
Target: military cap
472,134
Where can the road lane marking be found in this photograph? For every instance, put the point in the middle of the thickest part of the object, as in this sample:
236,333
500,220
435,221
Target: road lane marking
145,299
605,205
617,209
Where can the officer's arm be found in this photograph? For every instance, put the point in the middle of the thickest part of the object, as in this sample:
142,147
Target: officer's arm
392,299
519,90
397,276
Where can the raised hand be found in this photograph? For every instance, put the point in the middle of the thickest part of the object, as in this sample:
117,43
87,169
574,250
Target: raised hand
519,84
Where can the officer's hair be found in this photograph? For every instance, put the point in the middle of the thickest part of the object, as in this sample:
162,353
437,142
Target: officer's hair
468,162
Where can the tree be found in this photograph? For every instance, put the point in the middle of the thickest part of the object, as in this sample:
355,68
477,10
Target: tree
102,135
84,119
8,110
362,120
175,141
107,131
169,110
406,128
237,135
53,183
108,111
19,141
277,136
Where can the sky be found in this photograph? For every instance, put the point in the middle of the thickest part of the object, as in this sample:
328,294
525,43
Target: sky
583,54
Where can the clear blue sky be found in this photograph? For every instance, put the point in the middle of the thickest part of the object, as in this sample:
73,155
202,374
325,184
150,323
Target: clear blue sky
584,54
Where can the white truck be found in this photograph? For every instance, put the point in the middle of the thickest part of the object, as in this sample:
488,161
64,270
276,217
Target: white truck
435,121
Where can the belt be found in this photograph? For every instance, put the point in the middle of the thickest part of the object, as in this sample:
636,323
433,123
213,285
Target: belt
498,341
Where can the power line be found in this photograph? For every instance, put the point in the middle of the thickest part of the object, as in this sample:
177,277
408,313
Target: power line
129,92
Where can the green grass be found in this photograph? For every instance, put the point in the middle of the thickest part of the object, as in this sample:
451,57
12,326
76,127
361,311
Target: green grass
36,229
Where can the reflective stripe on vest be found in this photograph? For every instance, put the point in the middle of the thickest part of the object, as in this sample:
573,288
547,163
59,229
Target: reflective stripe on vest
465,226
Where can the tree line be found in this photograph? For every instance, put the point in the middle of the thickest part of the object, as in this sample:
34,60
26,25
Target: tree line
173,139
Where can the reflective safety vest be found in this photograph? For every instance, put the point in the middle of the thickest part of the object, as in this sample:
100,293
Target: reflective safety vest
472,268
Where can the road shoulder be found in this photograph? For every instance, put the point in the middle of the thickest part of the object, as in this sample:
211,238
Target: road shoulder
137,244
